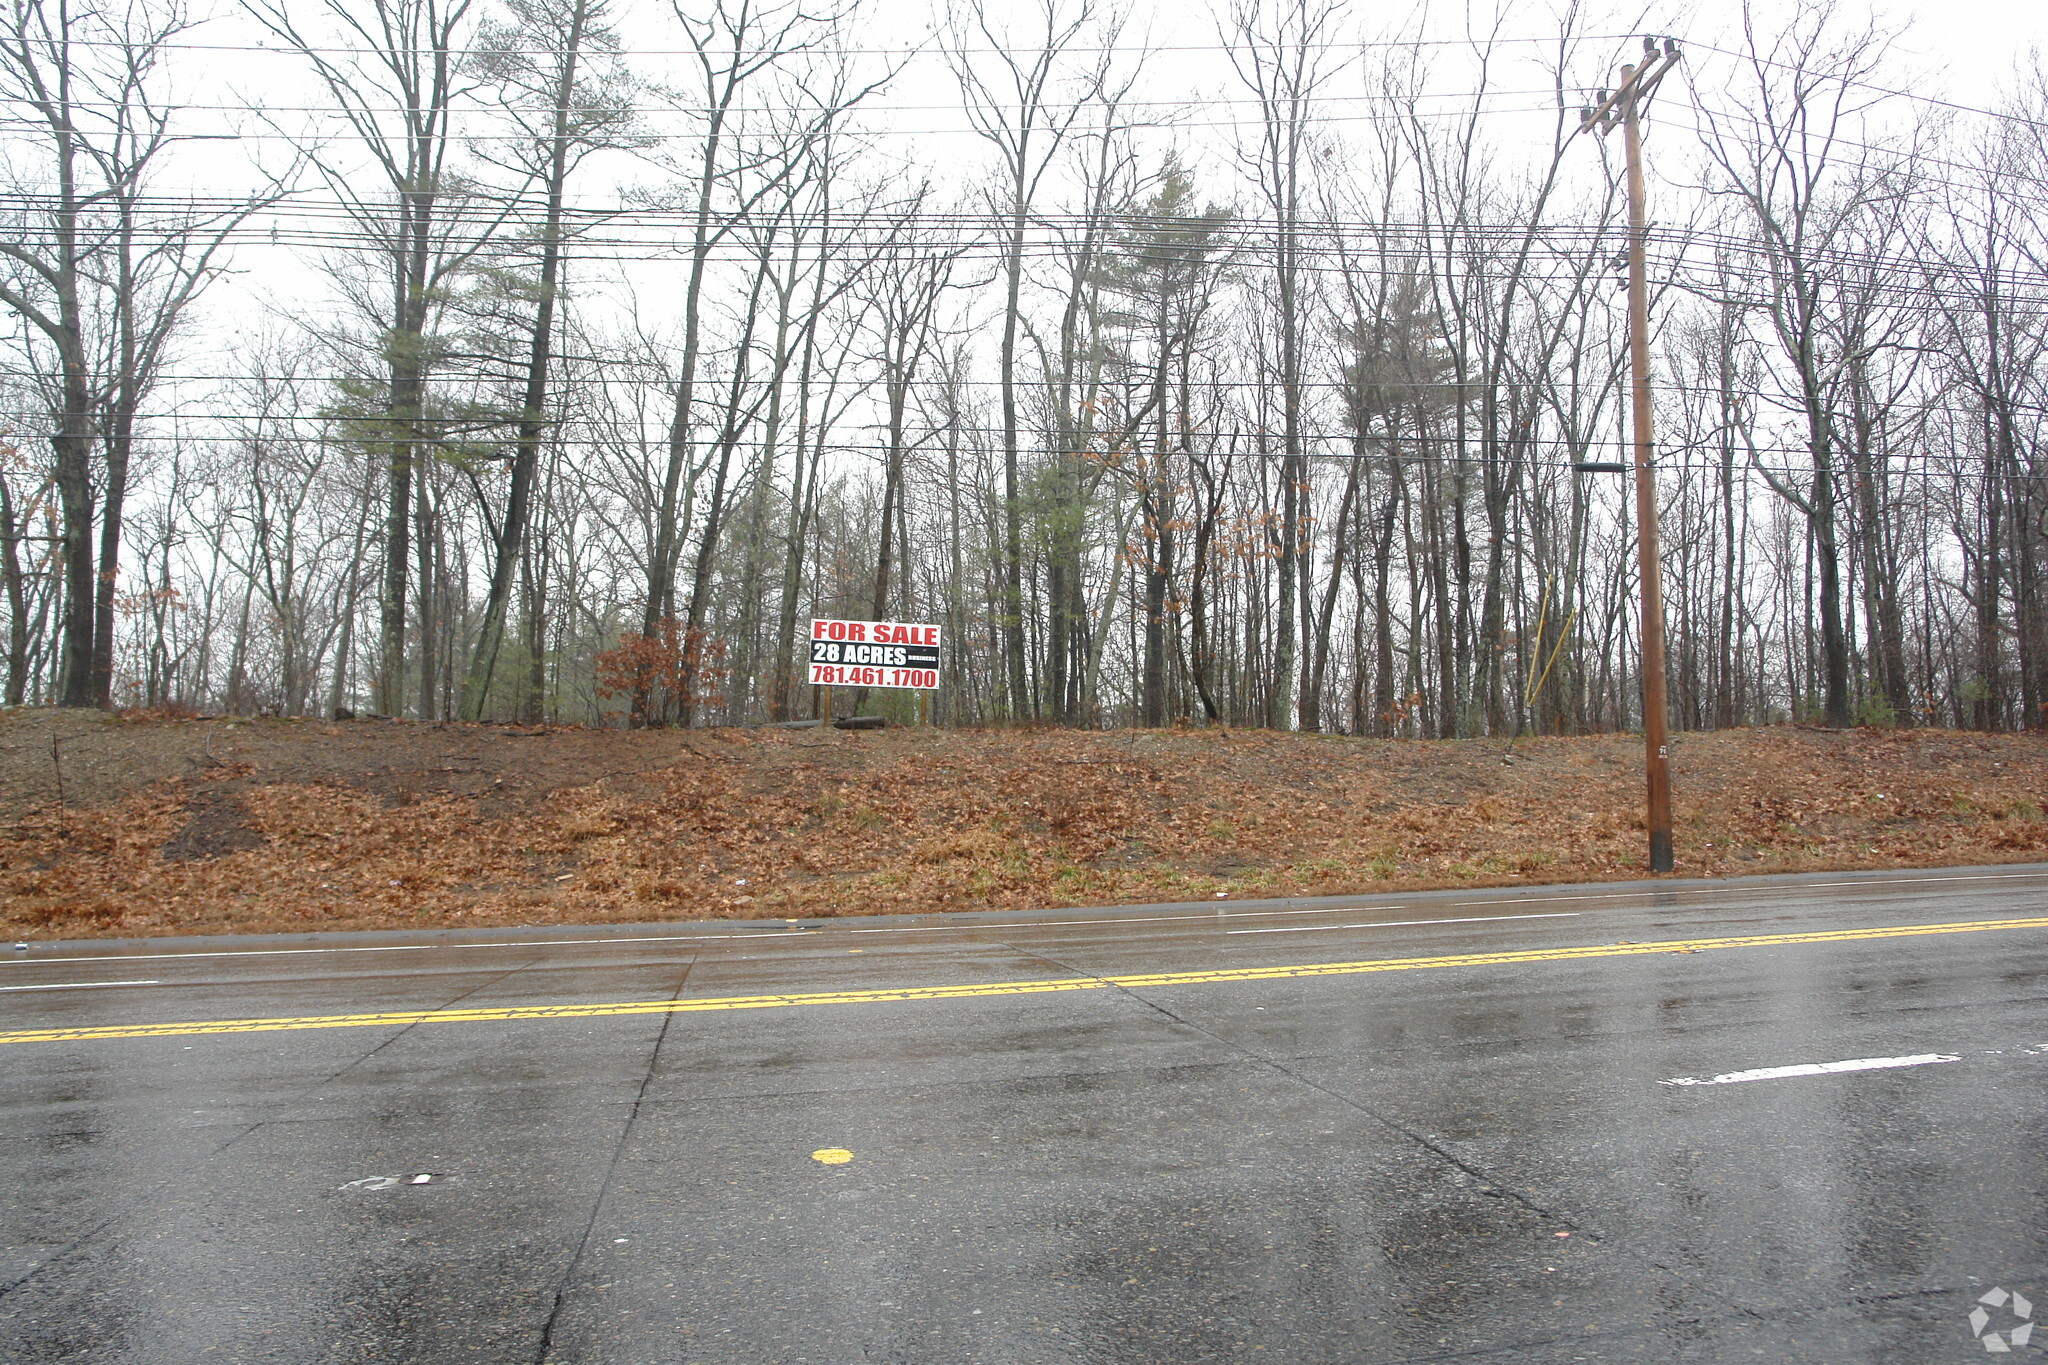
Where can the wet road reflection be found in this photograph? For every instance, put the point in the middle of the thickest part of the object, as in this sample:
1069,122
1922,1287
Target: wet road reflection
1468,1162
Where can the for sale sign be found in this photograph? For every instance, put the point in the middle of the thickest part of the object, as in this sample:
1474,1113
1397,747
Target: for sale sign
874,654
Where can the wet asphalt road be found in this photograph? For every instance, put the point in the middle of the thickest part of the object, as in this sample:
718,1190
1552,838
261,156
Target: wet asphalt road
1358,1167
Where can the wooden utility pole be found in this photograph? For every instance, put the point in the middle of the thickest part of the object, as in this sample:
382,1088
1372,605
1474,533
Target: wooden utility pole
1625,107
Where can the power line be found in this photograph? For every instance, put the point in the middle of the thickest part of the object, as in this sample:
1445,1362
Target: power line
1409,453
1132,49
1115,234
1913,95
1128,49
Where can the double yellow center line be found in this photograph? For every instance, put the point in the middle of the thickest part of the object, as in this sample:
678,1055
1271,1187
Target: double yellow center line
902,994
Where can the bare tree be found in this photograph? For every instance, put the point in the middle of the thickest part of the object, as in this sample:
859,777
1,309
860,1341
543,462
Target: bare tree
564,111
1802,185
738,169
399,79
101,269
1022,99
1285,54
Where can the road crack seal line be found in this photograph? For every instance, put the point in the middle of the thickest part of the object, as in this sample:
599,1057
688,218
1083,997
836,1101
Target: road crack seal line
546,1343
905,994
1488,1185
83,1239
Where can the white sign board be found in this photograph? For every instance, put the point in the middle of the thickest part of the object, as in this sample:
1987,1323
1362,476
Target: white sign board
874,654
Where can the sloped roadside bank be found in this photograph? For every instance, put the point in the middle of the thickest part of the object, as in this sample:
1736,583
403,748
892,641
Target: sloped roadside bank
184,826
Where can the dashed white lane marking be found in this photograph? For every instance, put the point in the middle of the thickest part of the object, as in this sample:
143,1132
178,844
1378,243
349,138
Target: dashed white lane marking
1400,923
1772,1073
79,985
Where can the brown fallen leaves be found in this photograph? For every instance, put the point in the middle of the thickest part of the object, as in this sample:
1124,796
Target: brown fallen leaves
295,827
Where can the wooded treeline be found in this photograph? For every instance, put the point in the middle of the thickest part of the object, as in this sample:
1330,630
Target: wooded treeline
562,364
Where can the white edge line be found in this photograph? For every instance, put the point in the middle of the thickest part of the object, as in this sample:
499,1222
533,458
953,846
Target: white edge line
1557,900
79,985
1013,925
408,947
1773,1073
1400,923
1909,881
1732,890
689,938
1129,919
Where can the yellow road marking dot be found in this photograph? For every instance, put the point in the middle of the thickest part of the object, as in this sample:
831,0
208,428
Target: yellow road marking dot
832,1156
984,989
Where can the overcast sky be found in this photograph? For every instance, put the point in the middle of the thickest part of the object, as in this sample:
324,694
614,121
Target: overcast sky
1961,49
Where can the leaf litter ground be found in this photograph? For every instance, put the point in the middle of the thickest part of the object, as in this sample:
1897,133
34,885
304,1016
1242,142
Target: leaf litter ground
167,826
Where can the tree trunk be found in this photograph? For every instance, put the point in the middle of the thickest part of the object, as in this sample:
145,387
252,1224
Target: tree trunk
509,547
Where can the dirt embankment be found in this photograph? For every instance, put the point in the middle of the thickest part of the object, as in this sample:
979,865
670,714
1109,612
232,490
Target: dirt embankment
123,826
